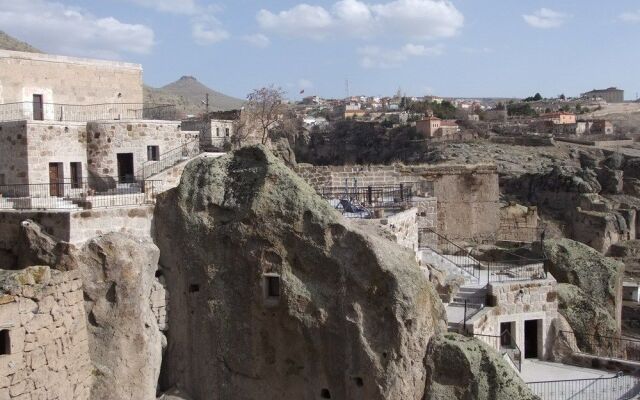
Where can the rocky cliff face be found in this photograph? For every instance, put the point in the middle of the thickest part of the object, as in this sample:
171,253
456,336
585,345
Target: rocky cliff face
275,296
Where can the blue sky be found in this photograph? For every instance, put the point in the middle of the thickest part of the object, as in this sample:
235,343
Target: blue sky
469,48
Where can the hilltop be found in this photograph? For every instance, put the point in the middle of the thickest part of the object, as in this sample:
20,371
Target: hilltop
10,43
188,94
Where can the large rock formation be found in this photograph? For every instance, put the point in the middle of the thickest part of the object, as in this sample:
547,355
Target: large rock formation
463,368
588,319
118,275
118,272
578,264
589,289
275,296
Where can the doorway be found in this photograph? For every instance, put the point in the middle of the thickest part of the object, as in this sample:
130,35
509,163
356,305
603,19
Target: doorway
125,168
55,180
38,107
531,338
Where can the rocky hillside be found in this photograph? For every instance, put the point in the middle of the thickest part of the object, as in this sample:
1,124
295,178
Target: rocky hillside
10,43
188,94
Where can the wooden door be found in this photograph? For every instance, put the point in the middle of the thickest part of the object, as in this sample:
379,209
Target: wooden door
38,107
55,181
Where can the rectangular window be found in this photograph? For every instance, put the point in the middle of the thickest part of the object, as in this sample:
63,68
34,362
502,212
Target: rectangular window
217,131
506,334
226,132
2,179
38,107
5,342
153,153
273,286
76,175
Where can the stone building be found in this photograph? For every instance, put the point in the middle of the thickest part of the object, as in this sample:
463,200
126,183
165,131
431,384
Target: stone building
66,120
610,95
50,87
433,127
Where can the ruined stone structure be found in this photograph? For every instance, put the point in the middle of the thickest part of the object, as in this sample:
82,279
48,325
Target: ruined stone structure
467,196
43,336
66,80
519,224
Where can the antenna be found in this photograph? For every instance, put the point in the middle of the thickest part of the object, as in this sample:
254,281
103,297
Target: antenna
347,88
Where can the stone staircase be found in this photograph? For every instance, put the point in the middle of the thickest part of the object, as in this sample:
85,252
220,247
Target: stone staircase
469,300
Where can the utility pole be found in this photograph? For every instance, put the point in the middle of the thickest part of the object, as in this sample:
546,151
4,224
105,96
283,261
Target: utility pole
347,87
206,102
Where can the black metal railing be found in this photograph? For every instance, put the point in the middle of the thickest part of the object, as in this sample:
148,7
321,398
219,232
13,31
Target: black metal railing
510,267
504,344
74,194
362,201
456,254
86,113
615,347
618,387
170,158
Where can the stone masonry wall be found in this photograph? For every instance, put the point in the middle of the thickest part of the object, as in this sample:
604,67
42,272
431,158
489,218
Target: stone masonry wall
49,351
519,224
13,153
55,142
468,195
67,80
108,138
518,302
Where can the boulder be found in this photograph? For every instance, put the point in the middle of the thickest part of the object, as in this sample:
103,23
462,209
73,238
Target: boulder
561,345
614,161
587,318
631,186
578,264
118,272
274,295
35,246
174,394
460,367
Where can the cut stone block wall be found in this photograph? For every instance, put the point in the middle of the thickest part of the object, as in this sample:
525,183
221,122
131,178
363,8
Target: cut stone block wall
67,80
105,139
49,351
519,224
518,302
55,142
13,153
468,195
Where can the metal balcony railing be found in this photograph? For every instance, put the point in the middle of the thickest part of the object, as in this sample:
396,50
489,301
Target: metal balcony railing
170,158
32,111
78,194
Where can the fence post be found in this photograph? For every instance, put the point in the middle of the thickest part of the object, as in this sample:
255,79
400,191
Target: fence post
464,321
369,195
401,192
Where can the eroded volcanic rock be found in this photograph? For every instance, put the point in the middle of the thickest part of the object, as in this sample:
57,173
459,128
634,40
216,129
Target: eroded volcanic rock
275,296
463,368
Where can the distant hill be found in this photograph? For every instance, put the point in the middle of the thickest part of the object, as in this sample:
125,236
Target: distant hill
10,43
188,94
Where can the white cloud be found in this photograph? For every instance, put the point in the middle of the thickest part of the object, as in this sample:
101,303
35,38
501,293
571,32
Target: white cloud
188,7
419,19
57,28
301,20
206,29
632,16
545,18
257,40
378,57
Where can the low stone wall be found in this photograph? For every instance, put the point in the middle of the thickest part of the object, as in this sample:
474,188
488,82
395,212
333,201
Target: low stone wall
404,227
44,319
73,226
468,195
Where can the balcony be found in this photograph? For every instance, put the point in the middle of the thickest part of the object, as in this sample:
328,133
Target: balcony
34,111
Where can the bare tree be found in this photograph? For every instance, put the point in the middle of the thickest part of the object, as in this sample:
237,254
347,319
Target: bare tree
266,105
241,129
